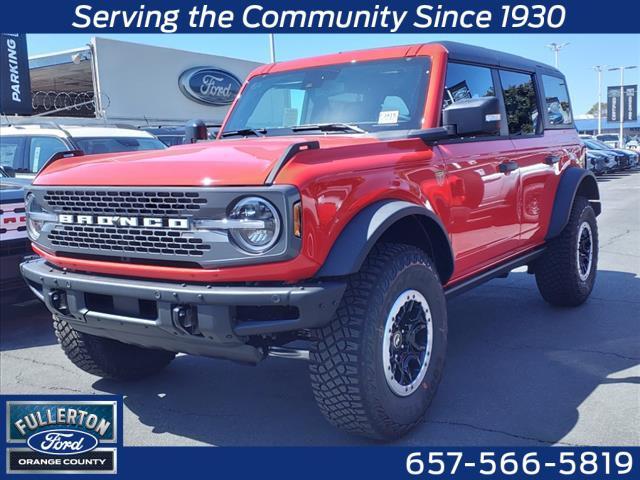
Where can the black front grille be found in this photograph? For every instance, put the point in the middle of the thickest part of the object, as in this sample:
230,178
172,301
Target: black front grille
100,202
127,240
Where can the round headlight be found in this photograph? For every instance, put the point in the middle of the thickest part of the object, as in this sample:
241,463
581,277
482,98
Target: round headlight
262,224
34,226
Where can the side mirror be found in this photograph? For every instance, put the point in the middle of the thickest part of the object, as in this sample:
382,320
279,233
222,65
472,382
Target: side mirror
195,130
473,116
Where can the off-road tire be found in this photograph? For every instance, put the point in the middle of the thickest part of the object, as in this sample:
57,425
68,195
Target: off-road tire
557,271
108,358
346,366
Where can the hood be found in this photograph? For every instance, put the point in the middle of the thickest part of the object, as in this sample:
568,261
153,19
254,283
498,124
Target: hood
216,163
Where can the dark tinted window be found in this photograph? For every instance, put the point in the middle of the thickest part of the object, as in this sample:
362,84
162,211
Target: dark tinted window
520,102
97,145
467,81
557,101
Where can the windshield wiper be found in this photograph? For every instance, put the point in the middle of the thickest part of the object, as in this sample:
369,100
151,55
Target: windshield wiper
329,127
245,132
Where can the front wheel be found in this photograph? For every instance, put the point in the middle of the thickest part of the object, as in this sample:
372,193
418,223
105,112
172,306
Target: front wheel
566,272
377,366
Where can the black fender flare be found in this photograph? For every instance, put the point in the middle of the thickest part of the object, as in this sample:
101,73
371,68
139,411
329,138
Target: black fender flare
363,231
573,181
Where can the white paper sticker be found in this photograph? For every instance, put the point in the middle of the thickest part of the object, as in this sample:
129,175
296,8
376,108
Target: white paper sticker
390,116
290,117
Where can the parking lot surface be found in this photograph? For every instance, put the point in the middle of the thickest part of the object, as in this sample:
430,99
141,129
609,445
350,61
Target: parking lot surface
519,371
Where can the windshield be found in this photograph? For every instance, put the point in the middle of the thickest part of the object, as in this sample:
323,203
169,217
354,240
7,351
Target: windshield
596,145
95,145
372,96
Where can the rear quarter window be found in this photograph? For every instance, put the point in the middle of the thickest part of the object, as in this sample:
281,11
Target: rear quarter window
557,102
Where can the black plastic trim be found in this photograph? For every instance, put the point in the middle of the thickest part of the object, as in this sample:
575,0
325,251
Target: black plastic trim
365,229
570,182
288,154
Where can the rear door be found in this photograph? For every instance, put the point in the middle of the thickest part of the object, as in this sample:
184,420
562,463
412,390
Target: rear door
541,129
483,217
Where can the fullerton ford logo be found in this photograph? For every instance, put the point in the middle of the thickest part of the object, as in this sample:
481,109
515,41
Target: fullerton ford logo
62,436
121,221
210,86
62,442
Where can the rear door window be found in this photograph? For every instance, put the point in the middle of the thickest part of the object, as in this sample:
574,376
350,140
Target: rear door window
557,101
41,149
12,152
520,103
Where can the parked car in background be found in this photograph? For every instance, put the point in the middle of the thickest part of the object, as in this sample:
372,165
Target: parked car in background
176,135
626,158
633,144
600,162
26,147
170,136
611,139
14,244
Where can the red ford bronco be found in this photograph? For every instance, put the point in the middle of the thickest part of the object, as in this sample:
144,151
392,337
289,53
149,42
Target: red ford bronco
346,198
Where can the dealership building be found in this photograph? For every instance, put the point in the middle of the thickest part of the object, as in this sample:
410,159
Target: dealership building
128,82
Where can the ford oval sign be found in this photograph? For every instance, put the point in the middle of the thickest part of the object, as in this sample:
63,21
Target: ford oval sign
62,442
209,86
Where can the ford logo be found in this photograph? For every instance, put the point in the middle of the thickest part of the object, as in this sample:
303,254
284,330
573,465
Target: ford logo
62,442
209,86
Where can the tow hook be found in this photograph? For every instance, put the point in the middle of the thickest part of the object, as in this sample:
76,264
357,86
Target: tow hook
185,317
58,301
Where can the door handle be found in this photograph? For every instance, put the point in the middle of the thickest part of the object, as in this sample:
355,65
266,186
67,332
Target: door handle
508,166
552,159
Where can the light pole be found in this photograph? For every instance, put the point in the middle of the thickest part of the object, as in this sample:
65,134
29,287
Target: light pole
622,69
272,47
556,47
598,69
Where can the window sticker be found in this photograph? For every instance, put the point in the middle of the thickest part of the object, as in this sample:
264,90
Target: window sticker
36,156
290,117
390,116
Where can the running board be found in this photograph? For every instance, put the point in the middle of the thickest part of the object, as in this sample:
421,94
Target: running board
501,270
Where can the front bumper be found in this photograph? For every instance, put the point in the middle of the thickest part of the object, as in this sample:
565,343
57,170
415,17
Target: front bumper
147,313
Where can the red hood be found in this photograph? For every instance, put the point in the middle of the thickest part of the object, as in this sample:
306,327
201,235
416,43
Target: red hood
222,162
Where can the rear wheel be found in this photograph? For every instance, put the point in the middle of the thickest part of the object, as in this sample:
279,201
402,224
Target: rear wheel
108,358
377,366
566,273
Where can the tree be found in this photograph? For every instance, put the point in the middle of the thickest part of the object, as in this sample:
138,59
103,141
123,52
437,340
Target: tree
594,110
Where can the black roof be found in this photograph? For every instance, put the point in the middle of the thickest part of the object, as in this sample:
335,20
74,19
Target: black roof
470,53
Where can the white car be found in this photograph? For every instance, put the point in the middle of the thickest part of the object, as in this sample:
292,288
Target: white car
611,139
25,148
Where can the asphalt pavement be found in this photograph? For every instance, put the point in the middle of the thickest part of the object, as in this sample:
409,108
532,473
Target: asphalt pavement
519,372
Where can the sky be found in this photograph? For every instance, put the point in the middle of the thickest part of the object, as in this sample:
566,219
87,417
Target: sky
576,59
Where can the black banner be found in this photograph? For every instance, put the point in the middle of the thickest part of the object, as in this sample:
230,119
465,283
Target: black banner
630,101
15,84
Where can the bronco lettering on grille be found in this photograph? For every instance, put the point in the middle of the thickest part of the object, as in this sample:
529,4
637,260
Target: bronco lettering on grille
120,221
